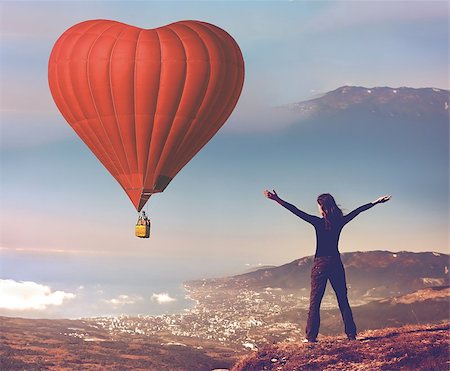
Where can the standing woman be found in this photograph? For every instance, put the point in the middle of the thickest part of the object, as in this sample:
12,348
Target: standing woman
327,260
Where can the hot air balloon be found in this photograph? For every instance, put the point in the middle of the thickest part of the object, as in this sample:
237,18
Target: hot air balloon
145,101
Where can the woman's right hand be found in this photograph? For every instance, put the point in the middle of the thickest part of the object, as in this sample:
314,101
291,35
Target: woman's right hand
381,200
271,195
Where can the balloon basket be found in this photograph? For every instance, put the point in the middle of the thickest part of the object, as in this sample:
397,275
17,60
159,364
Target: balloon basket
142,229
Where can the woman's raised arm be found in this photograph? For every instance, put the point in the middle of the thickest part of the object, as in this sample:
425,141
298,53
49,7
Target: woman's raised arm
293,209
365,207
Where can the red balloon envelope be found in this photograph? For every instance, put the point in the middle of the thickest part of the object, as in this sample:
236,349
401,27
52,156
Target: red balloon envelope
145,101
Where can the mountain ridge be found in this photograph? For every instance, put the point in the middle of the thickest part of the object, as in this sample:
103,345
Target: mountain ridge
372,274
402,102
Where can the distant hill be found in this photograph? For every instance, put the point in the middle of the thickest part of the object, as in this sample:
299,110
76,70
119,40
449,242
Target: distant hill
396,103
371,274
407,348
426,306
420,307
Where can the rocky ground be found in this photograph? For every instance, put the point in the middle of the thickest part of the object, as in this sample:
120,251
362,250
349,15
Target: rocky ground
406,348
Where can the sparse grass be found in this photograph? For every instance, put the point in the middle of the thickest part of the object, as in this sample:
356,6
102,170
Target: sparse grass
405,348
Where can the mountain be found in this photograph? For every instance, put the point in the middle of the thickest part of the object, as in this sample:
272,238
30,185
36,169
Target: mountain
240,314
378,101
426,306
370,275
407,348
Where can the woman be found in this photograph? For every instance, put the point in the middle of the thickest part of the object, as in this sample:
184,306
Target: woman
327,260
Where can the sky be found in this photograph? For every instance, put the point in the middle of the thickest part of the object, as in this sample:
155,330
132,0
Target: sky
67,228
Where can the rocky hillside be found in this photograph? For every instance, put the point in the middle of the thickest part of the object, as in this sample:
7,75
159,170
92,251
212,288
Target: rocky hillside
426,306
407,348
371,275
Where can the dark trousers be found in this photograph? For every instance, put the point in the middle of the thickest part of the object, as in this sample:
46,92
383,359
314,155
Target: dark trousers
328,268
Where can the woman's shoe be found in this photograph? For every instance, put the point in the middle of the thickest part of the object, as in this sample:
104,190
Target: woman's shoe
306,340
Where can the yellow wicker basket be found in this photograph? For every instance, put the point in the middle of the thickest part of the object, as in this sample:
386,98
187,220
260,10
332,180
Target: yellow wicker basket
142,231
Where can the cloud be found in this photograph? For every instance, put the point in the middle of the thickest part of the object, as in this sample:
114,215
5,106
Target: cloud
124,300
37,240
162,298
50,251
256,111
29,295
31,19
348,14
27,114
260,119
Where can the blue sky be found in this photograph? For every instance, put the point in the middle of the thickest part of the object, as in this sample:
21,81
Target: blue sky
59,204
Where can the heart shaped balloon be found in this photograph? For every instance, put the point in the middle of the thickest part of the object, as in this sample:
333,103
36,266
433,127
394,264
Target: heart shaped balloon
145,101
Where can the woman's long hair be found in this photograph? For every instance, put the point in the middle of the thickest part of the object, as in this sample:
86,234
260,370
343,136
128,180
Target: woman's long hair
330,210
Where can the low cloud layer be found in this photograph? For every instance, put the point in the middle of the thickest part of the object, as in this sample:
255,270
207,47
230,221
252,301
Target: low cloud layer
162,298
259,117
124,300
30,295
